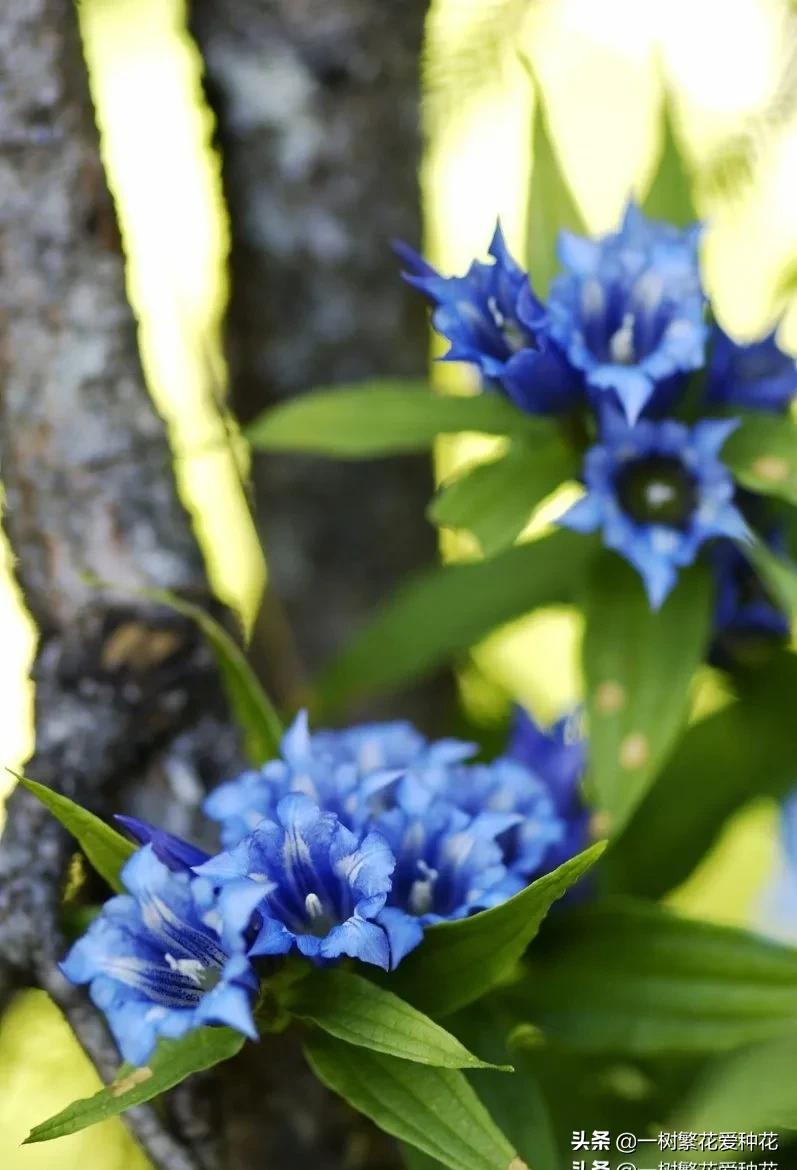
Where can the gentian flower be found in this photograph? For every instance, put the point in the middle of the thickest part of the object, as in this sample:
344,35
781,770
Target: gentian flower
342,771
759,376
173,852
495,322
448,863
322,886
166,957
504,789
628,309
658,491
557,758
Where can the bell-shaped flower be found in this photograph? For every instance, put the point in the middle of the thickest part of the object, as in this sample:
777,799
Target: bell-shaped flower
657,492
165,958
628,309
323,886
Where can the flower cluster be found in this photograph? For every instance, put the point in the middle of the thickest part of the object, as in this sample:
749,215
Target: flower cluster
624,343
350,844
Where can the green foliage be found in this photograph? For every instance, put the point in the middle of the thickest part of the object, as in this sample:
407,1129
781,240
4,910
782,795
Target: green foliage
383,418
638,666
670,194
552,207
748,1090
459,961
105,849
446,610
517,1103
250,705
744,750
778,574
171,1063
434,1109
634,978
762,454
358,1011
495,500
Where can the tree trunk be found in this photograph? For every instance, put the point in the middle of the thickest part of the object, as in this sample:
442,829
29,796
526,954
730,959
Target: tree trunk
317,117
128,710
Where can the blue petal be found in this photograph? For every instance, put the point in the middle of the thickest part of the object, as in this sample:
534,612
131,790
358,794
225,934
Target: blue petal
404,933
358,939
172,851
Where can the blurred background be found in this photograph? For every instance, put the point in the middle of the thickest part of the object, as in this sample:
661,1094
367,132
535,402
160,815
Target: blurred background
261,158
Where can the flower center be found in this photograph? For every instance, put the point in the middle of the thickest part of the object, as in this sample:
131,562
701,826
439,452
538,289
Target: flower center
513,335
205,978
621,343
422,890
319,921
657,490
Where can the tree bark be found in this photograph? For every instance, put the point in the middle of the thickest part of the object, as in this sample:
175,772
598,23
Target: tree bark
128,709
317,121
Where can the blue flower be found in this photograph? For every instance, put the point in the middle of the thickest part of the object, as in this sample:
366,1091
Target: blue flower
658,491
628,310
759,376
166,958
448,863
174,852
557,758
323,887
342,771
494,321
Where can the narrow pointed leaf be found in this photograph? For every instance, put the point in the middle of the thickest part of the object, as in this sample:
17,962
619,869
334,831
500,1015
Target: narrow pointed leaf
434,1109
171,1063
495,500
551,204
638,666
446,610
251,706
745,749
752,1090
382,418
358,1011
670,194
458,961
778,574
105,849
635,978
762,453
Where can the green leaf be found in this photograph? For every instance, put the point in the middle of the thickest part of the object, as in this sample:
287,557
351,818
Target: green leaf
778,574
251,706
495,500
670,194
446,610
517,1103
382,418
171,1063
458,961
743,750
752,1090
638,666
551,204
355,1010
434,1109
105,849
762,453
633,978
